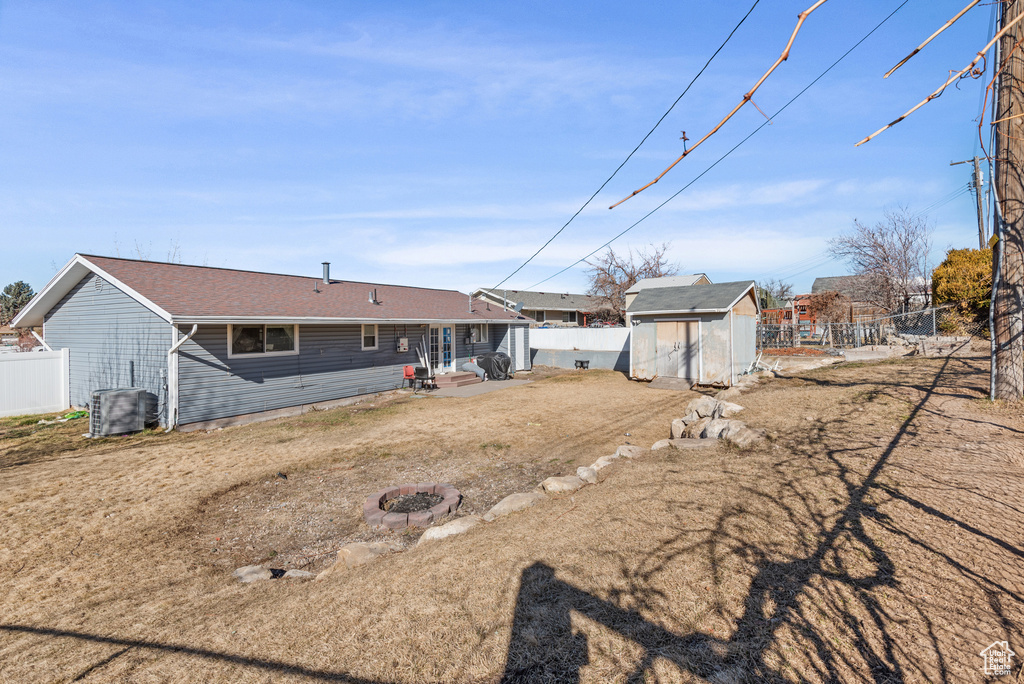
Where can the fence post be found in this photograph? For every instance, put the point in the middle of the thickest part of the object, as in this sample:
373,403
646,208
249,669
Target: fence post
933,322
65,377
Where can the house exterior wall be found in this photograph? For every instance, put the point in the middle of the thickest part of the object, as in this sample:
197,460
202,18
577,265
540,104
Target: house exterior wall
109,336
330,365
554,318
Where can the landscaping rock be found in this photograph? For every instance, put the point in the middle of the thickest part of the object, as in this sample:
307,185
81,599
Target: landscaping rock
252,573
298,574
457,526
696,429
745,437
588,475
702,406
555,485
678,429
604,462
727,408
714,428
729,394
512,503
360,553
682,444
631,451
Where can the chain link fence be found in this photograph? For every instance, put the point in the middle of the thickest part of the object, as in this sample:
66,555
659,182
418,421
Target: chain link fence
897,329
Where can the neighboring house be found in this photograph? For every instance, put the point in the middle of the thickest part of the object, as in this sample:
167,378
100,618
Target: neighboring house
8,336
858,292
705,334
215,343
666,281
547,308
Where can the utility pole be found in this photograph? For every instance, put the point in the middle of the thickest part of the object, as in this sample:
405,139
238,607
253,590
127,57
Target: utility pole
977,183
1008,248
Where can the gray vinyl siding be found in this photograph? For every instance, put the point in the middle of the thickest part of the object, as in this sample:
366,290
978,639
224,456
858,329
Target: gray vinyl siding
107,332
505,341
330,365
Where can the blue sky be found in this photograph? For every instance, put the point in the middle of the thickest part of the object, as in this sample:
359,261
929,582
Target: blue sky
440,143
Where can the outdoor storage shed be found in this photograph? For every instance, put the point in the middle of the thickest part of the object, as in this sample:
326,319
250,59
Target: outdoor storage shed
704,334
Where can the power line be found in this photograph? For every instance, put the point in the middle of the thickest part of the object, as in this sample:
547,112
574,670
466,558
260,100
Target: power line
734,148
630,155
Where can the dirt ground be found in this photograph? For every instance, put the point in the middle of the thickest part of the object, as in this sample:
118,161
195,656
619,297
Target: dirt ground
877,536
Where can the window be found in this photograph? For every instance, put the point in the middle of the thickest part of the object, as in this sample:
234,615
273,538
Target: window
479,332
369,337
538,316
568,316
245,340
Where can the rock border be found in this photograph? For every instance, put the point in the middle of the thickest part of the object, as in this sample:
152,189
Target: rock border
379,519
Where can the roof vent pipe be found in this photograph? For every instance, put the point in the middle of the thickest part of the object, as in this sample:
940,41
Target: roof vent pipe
327,272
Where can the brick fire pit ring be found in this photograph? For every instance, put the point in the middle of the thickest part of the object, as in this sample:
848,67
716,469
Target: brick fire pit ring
377,518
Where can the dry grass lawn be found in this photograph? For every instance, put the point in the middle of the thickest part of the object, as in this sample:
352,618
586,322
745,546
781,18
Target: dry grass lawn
878,536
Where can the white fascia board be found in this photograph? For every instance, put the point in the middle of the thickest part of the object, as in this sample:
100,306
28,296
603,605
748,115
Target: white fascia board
290,320
744,294
79,267
680,312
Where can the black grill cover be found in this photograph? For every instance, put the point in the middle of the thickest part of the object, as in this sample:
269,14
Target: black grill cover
496,365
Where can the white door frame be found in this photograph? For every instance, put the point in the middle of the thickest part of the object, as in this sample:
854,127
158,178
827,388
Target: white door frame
441,369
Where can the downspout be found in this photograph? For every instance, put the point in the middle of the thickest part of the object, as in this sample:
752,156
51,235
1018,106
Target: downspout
172,378
41,340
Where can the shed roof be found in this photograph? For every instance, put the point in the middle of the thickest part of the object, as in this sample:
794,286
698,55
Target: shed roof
716,298
183,293
547,301
667,281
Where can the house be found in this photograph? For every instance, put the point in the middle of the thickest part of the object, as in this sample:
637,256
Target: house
8,336
664,281
705,334
547,308
217,343
857,291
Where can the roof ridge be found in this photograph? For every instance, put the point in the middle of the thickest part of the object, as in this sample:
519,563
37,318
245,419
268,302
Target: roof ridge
242,270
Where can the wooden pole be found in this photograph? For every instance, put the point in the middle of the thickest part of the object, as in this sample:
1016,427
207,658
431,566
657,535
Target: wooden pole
1008,255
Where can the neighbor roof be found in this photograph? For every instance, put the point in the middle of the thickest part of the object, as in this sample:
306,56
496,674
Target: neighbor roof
853,286
667,281
546,301
716,298
181,293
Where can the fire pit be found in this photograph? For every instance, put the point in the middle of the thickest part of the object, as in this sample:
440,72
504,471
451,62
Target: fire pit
410,505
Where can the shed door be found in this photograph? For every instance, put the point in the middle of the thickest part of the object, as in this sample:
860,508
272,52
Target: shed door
677,350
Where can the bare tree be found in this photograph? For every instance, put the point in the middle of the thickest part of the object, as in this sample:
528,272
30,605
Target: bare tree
611,275
891,257
774,293
828,307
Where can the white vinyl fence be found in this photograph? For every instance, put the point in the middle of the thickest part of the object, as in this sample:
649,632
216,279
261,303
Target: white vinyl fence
34,382
592,339
569,347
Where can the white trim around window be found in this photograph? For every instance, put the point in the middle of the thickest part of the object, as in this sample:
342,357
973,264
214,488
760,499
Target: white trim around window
259,340
479,332
363,335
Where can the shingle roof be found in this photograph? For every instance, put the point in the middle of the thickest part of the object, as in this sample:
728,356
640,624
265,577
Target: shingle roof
187,293
854,287
666,281
690,298
547,301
